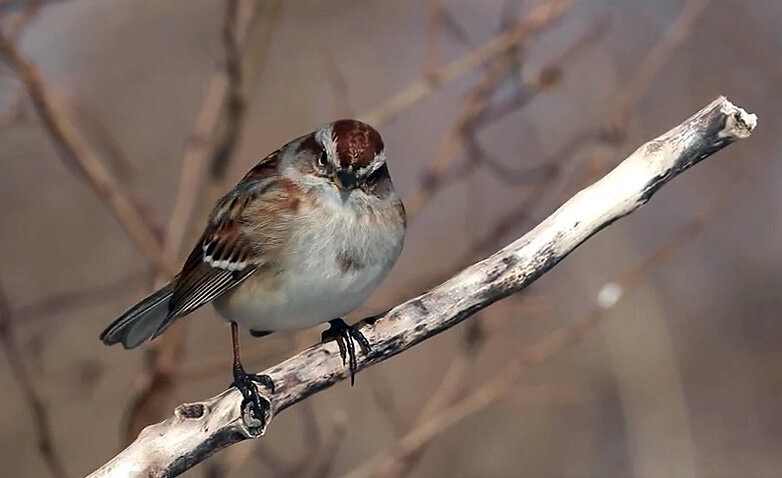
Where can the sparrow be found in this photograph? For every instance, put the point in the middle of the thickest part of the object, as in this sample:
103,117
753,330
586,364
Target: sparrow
303,239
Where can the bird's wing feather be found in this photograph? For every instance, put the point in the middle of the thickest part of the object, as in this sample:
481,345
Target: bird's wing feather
245,232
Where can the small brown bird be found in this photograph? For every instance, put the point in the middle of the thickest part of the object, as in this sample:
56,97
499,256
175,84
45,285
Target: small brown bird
303,239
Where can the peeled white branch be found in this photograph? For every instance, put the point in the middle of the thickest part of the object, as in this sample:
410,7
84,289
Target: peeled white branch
198,430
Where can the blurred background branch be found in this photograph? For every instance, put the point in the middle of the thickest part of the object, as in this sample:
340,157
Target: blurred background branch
76,152
246,35
38,409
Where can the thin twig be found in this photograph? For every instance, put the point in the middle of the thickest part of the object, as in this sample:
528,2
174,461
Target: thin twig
478,111
542,15
434,20
639,84
77,153
65,302
214,139
681,28
548,76
15,114
20,20
525,175
522,211
611,136
382,394
197,154
103,136
38,410
474,104
323,464
236,103
450,388
206,139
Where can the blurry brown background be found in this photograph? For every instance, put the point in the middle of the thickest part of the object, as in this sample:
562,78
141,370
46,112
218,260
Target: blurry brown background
682,378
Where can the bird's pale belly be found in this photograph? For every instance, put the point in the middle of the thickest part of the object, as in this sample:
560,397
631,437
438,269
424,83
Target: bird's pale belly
315,293
330,267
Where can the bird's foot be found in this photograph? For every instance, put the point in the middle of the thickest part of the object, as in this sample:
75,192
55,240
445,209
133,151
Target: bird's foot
344,335
258,406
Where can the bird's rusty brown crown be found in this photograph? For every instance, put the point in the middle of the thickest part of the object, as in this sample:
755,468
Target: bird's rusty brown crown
357,143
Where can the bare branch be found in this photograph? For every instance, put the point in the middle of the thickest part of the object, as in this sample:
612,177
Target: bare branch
610,136
477,110
246,32
434,19
43,426
235,101
198,430
63,302
548,76
451,386
103,137
383,395
614,133
76,152
22,16
406,450
676,34
542,16
325,460
208,126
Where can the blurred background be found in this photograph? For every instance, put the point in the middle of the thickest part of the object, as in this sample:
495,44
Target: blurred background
493,113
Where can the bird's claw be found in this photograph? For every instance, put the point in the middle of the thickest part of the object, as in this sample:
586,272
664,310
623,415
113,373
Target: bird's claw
345,335
258,406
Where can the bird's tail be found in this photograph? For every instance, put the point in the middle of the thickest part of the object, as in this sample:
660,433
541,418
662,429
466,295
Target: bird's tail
143,321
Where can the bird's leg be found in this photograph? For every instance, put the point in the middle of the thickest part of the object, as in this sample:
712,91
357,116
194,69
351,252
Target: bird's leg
344,335
245,382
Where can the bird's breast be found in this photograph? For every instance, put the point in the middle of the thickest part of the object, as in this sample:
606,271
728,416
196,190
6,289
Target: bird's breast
334,259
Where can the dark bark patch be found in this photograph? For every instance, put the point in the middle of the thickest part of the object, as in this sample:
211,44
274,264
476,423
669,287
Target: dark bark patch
216,442
191,411
507,262
419,305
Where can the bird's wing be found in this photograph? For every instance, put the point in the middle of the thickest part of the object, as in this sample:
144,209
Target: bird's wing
246,231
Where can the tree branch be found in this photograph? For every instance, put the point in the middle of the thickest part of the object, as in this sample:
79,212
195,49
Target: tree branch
33,398
77,152
198,430
540,17
247,28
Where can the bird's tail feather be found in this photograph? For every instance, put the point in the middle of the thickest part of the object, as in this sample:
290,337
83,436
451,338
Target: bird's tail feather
141,322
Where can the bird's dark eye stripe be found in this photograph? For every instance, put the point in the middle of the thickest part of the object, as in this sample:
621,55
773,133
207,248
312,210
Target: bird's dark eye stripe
377,174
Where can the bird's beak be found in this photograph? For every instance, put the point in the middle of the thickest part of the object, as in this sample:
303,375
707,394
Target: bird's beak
345,179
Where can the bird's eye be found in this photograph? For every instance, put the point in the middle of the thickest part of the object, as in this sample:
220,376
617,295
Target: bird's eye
323,159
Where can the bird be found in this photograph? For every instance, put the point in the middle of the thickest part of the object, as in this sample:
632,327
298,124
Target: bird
303,239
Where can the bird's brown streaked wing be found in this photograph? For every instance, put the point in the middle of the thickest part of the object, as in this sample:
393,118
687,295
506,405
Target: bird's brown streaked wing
200,283
245,230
